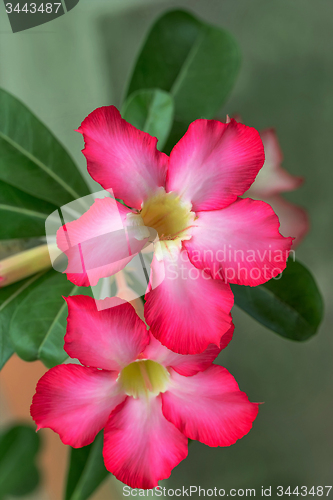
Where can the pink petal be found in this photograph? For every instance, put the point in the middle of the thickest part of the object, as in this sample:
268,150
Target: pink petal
214,163
97,244
239,244
294,220
209,407
75,401
188,310
140,446
272,178
121,157
191,363
109,338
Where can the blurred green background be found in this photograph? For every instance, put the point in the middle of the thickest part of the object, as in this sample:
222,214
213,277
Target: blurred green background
65,69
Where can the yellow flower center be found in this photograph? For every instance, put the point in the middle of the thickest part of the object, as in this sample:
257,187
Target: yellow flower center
168,215
143,377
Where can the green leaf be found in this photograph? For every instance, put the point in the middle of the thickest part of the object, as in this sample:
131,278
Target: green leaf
32,159
290,306
10,298
28,485
195,62
18,473
22,215
38,325
151,111
86,471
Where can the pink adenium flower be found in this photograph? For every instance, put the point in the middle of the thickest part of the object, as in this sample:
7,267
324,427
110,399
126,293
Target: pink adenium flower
148,399
208,235
273,180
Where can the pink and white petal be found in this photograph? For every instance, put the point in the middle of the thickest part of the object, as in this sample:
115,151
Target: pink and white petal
140,446
209,407
214,163
188,310
272,178
273,152
104,215
121,157
91,276
239,244
294,220
75,401
99,243
110,338
191,363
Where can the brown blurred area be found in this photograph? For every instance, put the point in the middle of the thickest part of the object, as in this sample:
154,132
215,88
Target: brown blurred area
18,382
17,386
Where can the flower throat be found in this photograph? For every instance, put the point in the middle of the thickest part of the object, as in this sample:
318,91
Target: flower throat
168,215
143,377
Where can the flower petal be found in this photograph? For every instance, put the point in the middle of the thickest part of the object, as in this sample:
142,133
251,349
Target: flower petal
97,244
140,446
121,157
75,401
191,363
214,163
294,220
188,310
109,338
272,178
239,244
209,407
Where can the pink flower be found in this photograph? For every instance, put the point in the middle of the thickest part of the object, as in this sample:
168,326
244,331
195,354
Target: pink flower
148,399
208,235
273,180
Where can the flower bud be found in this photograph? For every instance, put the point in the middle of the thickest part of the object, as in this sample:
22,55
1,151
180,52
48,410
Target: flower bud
24,264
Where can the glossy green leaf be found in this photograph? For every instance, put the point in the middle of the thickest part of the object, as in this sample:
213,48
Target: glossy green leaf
195,62
38,325
10,298
22,215
291,306
86,471
151,111
19,475
32,159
